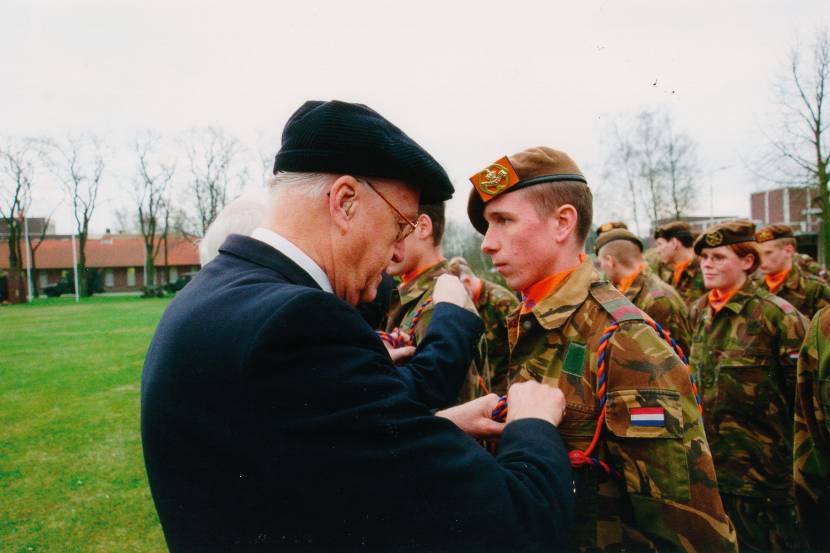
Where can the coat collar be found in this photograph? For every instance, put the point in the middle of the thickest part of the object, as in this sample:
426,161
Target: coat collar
554,310
416,288
260,253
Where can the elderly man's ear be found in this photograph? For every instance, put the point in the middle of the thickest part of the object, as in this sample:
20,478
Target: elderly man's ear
342,202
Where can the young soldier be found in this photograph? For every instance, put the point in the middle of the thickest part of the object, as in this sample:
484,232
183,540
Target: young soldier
745,345
620,255
494,304
784,278
811,469
644,477
421,264
681,269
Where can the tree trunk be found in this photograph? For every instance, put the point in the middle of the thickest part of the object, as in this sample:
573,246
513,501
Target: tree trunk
82,280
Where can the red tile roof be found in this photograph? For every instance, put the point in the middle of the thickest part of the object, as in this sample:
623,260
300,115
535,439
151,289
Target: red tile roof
117,250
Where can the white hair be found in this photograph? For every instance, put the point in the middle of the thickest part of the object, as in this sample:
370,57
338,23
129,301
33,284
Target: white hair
241,216
308,185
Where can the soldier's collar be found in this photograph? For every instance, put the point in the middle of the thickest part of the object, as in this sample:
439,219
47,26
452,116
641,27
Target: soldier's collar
637,284
736,303
413,289
554,310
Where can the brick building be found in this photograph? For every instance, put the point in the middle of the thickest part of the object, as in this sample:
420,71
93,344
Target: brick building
794,206
119,260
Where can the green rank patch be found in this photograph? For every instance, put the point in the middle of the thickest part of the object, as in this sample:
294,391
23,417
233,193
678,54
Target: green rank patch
575,359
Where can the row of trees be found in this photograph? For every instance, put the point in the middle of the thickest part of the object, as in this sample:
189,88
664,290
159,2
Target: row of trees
176,185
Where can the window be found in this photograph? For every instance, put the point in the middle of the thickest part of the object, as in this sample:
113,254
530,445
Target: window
130,276
43,279
109,278
174,274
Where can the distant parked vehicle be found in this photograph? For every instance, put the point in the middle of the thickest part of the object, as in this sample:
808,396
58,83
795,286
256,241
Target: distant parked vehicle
64,286
180,282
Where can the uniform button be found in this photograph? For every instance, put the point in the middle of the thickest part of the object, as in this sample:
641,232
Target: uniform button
526,325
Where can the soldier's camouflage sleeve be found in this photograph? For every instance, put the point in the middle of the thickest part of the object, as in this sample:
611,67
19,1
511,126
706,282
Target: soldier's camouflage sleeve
672,315
665,459
495,313
811,467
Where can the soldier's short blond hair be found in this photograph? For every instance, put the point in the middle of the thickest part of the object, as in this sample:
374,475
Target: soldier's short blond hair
624,252
547,197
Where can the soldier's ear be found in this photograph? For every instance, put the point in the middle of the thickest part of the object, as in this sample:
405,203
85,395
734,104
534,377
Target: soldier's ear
565,217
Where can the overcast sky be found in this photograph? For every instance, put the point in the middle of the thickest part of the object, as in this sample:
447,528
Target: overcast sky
471,81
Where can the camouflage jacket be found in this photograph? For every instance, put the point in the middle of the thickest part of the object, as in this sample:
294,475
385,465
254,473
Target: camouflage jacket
409,298
663,304
811,470
745,356
690,286
663,494
494,305
810,266
806,292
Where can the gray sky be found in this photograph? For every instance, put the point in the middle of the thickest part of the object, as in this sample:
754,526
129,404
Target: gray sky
471,81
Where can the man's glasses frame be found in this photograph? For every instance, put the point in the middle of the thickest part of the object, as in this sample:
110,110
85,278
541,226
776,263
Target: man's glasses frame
405,227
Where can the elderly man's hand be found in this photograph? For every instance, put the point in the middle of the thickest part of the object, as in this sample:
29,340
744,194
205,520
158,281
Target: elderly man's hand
532,400
449,289
474,417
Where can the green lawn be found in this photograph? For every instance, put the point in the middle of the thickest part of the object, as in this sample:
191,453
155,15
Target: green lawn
71,470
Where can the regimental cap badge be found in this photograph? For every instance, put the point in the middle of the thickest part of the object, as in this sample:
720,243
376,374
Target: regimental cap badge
764,236
605,228
714,238
495,179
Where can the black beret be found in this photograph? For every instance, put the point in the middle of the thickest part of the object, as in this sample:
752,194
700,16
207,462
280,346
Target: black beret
353,139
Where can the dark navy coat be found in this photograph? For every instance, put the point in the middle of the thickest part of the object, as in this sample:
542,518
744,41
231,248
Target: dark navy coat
273,419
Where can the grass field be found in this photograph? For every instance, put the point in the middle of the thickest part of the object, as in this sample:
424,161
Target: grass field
71,470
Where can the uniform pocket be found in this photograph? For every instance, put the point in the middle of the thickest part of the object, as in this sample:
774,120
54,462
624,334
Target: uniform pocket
646,438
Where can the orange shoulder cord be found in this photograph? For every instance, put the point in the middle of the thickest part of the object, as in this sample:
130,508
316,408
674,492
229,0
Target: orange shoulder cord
718,299
775,280
626,282
678,270
538,291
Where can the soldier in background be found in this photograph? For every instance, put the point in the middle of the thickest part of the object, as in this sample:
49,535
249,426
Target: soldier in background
681,268
620,254
494,304
811,469
810,265
745,345
784,278
411,307
644,476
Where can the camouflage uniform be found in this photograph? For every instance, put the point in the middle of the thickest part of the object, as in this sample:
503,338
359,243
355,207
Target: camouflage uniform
811,469
494,305
810,265
652,259
745,356
804,291
406,302
663,304
663,494
690,286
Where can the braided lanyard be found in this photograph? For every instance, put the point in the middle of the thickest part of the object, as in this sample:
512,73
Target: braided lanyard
399,338
579,458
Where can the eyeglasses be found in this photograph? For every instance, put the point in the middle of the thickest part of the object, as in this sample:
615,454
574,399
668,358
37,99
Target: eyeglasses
405,227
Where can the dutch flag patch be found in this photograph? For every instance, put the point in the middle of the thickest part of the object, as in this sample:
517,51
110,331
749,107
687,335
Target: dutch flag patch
648,416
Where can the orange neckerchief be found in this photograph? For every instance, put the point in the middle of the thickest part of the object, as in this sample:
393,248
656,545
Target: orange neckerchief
626,282
415,273
678,270
538,291
717,299
775,280
477,291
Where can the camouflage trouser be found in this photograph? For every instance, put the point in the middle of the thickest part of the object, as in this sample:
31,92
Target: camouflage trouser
763,526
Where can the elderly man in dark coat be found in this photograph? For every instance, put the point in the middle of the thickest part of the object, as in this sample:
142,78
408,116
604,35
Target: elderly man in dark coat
272,416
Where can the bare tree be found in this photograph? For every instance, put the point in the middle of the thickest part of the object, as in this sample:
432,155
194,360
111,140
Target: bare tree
656,166
78,163
34,245
17,169
799,148
216,165
150,192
